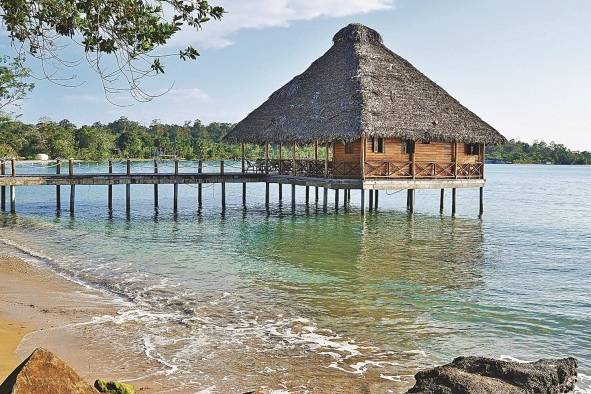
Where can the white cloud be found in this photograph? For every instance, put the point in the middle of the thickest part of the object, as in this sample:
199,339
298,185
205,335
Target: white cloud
256,14
188,95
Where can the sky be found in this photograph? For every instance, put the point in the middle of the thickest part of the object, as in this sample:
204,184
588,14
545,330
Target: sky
522,66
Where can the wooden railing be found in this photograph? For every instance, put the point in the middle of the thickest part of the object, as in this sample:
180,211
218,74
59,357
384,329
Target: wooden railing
422,170
373,169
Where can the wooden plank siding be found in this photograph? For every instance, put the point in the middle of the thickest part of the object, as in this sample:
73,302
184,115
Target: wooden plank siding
434,152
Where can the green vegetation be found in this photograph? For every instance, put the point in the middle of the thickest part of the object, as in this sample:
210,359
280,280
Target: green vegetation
118,37
125,138
109,387
538,152
14,84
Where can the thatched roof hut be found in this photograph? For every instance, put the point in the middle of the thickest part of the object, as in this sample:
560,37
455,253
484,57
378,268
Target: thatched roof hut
361,88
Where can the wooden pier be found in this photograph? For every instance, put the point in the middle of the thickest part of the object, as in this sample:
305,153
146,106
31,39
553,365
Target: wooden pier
10,180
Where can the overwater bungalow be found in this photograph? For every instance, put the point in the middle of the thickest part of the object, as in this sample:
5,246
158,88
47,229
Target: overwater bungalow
382,124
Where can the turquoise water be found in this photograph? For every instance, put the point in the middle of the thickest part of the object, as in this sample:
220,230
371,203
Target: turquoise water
373,297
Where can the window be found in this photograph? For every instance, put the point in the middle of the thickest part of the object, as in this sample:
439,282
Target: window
348,148
377,145
472,149
408,147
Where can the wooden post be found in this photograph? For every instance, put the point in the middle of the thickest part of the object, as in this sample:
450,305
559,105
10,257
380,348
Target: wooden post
325,200
199,186
441,199
336,199
223,186
243,171
72,187
370,200
267,195
410,200
128,186
293,196
266,158
3,188
280,159
293,159
110,188
375,200
307,195
156,185
316,195
326,160
362,201
13,188
453,202
363,153
58,192
175,190
481,210
455,159
412,163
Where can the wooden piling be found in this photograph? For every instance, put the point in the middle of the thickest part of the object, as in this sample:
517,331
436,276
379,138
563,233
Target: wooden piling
223,186
375,200
370,200
362,192
13,188
128,187
336,199
155,185
453,201
175,191
72,187
199,187
293,196
3,188
267,195
441,200
243,171
481,210
325,200
58,192
410,200
316,193
110,189
307,195
280,186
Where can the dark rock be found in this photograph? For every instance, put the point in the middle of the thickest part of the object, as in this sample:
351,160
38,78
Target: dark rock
44,373
479,375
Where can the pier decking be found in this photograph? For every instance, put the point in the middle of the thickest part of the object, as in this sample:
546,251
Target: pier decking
10,180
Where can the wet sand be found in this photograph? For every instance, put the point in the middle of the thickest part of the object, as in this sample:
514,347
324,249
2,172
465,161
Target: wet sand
39,308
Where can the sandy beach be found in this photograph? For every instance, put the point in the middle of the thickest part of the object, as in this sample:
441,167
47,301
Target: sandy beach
39,308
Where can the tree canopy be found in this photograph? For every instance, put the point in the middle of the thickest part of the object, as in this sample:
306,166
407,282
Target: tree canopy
127,32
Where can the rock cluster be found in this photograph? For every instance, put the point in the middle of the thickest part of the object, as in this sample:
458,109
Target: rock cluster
479,375
44,373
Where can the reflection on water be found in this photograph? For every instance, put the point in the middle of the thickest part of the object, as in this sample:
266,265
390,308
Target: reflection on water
377,296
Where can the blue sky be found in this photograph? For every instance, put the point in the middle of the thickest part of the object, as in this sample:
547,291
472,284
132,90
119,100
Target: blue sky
523,66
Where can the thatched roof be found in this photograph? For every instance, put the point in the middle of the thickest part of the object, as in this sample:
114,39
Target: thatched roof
361,88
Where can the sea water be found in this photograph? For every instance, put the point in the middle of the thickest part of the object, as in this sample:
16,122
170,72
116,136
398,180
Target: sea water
252,295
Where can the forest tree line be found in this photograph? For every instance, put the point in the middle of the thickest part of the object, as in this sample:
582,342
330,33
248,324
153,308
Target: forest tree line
124,138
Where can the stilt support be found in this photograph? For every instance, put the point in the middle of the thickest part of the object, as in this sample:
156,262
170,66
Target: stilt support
362,201
325,200
375,200
293,196
155,185
410,200
453,202
199,187
370,200
110,189
441,200
223,187
481,210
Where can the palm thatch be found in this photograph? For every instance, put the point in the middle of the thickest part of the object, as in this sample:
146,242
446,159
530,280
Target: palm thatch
361,88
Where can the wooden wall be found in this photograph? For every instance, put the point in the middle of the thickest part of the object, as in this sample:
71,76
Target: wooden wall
463,157
340,155
441,152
